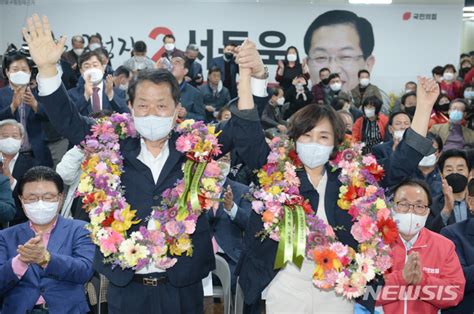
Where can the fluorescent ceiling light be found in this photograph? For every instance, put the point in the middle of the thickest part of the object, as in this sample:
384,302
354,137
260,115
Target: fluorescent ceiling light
468,9
370,1
468,14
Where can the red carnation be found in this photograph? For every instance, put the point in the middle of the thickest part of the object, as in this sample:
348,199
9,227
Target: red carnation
376,171
109,220
307,207
295,159
389,230
351,193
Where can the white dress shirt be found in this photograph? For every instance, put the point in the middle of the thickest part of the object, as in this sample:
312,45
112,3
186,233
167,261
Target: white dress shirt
11,166
321,188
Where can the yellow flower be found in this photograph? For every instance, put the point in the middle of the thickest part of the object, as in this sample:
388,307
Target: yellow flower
186,123
157,224
93,161
100,196
275,190
343,204
380,204
211,129
318,273
123,226
277,176
182,245
209,184
182,215
96,220
85,185
132,252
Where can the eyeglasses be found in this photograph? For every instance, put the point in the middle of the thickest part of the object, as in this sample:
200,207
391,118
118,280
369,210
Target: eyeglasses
341,60
45,198
404,207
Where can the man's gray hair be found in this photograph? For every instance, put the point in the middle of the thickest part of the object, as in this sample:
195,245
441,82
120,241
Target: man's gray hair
14,123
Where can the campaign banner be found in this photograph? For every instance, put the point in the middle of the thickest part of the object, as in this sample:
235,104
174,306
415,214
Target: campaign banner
394,42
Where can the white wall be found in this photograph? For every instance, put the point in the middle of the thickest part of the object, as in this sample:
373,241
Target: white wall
467,42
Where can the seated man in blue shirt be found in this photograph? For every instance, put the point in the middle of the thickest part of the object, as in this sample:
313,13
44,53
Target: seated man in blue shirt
45,262
451,207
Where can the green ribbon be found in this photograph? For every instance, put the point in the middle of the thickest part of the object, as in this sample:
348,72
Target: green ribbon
194,192
292,238
300,236
183,198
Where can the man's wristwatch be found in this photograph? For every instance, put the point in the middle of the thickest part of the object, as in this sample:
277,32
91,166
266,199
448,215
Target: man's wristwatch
264,76
46,259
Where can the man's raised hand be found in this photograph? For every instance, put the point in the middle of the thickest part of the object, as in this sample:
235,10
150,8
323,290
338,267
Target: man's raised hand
44,51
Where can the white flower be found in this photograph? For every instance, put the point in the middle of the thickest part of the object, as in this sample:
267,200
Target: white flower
365,266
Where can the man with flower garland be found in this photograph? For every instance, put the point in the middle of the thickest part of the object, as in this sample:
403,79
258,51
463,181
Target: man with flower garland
152,164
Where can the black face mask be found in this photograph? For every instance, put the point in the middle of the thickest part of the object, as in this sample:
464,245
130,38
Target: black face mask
229,56
442,108
457,181
410,110
325,81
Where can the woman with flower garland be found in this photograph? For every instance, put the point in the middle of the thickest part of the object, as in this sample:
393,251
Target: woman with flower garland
317,132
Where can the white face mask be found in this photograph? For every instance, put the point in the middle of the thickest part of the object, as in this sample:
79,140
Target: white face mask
139,58
364,82
428,161
41,213
469,94
313,155
96,75
291,57
335,87
94,46
78,52
154,128
281,101
10,146
19,78
369,113
169,47
398,134
123,87
409,224
448,76
409,91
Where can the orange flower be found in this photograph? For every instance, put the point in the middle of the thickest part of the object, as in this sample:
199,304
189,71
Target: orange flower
268,216
327,259
351,193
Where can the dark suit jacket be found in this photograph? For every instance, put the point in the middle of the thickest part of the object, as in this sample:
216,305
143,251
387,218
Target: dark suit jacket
7,204
218,101
462,234
382,152
22,165
118,103
195,73
435,221
34,130
61,283
192,100
228,232
234,70
142,192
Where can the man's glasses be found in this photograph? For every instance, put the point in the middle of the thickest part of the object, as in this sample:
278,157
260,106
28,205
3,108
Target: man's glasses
36,198
324,60
404,207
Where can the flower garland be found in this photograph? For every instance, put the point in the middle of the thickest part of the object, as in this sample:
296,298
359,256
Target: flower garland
289,219
173,222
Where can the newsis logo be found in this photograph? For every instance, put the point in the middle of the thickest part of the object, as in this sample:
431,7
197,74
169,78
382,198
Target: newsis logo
423,293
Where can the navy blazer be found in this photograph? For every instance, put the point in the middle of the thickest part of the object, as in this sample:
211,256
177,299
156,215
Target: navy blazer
61,283
117,104
7,204
462,234
228,232
218,101
195,72
22,165
191,99
234,70
34,130
142,192
382,152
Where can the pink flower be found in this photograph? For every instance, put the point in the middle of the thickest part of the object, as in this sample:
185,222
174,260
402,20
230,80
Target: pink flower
383,213
212,169
257,206
383,262
368,160
340,249
330,231
190,226
370,190
185,142
110,244
172,227
363,229
165,263
272,157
